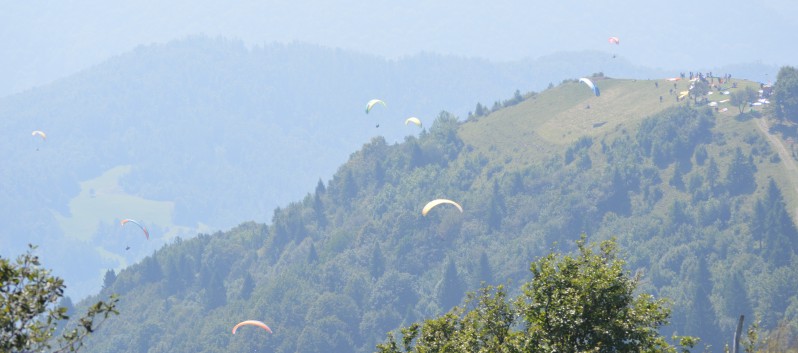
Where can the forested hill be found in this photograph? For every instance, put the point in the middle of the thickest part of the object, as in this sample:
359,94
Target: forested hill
205,133
697,198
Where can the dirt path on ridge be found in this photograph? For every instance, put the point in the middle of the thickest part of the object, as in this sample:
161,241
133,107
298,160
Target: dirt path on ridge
789,162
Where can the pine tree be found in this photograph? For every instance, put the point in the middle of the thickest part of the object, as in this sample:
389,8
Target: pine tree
496,207
479,110
349,186
677,181
376,262
318,204
215,292
450,289
485,274
109,279
779,231
247,286
312,255
152,269
699,314
785,94
757,226
712,176
740,175
379,173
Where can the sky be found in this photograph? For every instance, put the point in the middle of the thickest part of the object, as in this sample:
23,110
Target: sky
49,39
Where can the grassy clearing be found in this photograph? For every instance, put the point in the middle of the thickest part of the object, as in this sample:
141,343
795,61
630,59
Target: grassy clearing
102,200
559,116
546,124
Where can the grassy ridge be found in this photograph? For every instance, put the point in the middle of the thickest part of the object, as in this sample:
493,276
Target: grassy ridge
546,123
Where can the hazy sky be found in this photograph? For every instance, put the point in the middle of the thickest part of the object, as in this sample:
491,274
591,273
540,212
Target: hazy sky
46,39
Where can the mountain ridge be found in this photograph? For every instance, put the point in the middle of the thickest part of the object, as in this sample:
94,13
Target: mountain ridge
678,189
191,112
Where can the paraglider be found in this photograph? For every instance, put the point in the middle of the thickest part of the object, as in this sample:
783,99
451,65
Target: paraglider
373,102
253,323
616,41
40,134
146,233
413,120
591,85
430,205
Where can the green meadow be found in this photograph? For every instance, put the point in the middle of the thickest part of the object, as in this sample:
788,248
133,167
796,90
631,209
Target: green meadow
102,200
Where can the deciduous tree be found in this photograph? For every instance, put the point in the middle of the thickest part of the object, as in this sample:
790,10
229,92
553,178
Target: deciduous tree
29,298
574,303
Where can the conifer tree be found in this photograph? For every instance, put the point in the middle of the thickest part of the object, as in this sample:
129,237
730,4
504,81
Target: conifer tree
485,274
450,289
376,262
740,175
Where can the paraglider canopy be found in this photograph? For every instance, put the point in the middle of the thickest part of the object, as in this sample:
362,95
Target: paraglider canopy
40,134
413,120
591,85
373,102
128,220
614,40
253,323
430,205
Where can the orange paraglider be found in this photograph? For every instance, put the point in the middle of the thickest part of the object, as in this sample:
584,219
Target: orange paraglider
146,233
253,323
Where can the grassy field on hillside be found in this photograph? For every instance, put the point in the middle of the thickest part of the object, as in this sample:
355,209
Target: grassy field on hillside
102,200
549,122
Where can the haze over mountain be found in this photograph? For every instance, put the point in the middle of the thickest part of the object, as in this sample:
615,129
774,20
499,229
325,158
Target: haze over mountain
244,122
701,201
50,39
201,134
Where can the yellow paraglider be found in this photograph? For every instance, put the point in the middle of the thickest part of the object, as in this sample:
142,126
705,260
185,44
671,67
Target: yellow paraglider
373,102
251,322
40,134
413,120
430,205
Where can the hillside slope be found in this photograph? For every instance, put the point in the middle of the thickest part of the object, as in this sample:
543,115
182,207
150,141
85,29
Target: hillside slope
697,199
199,134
